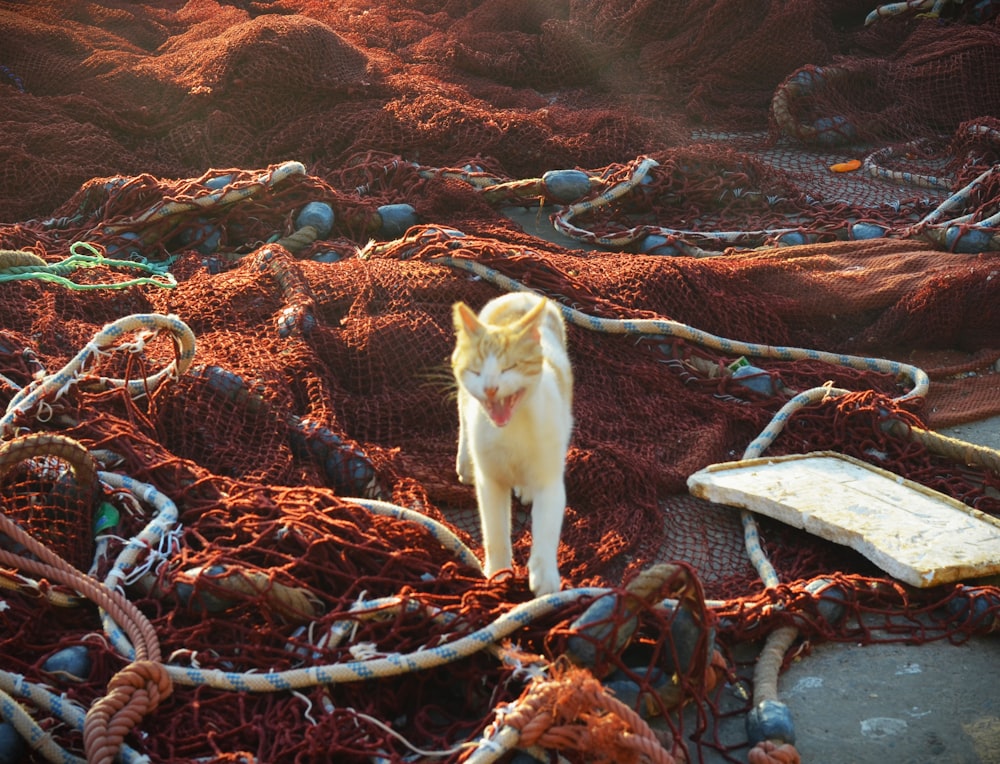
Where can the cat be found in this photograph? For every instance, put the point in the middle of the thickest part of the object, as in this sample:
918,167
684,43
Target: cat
515,396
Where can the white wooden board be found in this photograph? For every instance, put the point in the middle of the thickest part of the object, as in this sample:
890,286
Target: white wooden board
915,534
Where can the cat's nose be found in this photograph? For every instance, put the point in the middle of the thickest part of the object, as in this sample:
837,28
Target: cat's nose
490,392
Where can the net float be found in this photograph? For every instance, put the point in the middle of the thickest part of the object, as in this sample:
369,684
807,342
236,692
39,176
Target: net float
566,185
319,215
71,663
397,219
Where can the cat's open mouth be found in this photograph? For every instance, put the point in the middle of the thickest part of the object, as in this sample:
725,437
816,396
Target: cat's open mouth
502,409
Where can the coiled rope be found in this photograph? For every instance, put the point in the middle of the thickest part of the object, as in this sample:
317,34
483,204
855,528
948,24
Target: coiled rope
55,385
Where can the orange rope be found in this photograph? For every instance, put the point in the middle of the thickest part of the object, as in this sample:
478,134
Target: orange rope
573,711
133,692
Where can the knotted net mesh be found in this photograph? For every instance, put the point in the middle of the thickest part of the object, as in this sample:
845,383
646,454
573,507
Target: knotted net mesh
182,143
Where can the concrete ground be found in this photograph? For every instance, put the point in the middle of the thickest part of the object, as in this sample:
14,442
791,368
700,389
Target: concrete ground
882,703
900,704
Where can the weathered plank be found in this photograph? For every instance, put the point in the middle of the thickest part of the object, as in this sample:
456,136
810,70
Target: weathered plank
915,534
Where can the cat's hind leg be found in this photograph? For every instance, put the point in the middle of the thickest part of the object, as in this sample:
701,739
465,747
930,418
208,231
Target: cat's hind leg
546,524
494,516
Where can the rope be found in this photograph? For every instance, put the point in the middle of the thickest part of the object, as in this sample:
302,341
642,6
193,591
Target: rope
55,385
300,239
18,258
962,233
60,706
448,540
674,237
390,665
798,86
50,444
889,10
222,197
665,327
571,711
294,604
38,740
84,470
765,675
134,691
872,167
30,267
956,450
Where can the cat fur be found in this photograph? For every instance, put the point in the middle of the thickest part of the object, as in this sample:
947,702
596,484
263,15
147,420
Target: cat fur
515,390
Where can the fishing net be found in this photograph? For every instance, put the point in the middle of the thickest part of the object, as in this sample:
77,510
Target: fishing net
233,236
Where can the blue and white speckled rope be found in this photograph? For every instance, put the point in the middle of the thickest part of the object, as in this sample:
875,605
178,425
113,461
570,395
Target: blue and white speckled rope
751,534
389,665
54,385
148,541
217,198
681,239
945,232
37,739
448,539
664,327
61,707
872,168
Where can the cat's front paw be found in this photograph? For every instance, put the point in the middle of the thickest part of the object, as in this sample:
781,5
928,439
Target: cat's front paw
543,578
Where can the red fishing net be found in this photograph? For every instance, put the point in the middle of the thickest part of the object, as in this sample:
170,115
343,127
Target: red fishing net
159,161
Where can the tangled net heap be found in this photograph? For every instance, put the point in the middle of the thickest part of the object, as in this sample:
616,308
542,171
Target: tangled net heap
237,417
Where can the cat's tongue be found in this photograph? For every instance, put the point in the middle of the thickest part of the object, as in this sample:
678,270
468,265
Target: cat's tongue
502,409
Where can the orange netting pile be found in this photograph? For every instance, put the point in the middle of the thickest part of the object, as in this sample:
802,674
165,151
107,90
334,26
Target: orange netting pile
160,160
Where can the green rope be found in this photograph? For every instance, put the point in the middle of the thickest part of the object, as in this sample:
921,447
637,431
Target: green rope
57,273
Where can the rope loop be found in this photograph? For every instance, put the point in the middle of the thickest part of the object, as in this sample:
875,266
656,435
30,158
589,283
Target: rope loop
61,517
133,692
53,386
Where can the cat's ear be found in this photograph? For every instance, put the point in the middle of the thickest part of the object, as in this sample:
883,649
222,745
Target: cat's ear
466,321
530,324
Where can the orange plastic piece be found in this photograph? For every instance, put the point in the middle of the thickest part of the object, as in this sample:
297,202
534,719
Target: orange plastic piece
849,166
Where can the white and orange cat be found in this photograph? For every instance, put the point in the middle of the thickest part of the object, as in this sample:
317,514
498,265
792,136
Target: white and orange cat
515,391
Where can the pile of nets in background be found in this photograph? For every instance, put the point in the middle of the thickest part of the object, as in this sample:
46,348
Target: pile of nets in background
232,236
